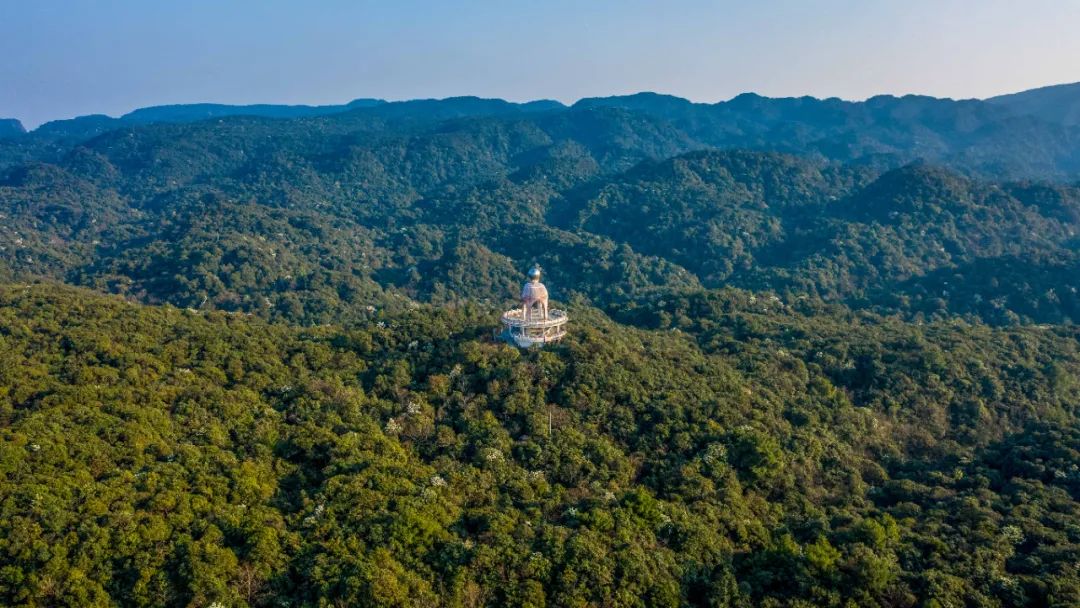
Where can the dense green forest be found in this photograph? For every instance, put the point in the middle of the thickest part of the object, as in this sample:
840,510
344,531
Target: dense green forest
817,457
821,354
313,219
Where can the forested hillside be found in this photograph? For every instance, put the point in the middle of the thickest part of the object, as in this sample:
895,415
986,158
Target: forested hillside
821,353
308,226
1028,134
1057,103
10,127
157,456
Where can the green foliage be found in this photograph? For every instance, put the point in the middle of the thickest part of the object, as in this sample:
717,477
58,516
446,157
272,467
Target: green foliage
789,382
268,219
156,456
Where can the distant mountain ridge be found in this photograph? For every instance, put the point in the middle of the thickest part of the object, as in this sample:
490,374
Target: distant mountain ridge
1058,103
92,125
998,139
95,124
10,127
203,111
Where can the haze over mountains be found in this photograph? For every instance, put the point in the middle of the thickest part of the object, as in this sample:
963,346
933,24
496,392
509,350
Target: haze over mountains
1058,104
181,113
1028,134
10,127
1055,103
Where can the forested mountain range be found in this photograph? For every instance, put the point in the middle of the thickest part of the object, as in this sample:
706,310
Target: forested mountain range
1058,103
1028,134
821,353
323,216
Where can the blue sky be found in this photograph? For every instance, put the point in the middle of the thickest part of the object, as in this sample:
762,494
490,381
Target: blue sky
68,58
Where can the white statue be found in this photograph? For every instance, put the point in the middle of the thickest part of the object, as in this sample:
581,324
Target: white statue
533,323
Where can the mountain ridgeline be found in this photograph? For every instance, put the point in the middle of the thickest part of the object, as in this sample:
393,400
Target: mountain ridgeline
1032,134
314,219
822,353
1058,104
10,127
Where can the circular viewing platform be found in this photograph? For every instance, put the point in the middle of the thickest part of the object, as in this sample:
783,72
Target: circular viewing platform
529,330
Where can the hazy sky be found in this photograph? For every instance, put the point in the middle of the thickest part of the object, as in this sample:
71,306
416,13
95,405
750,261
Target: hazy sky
60,59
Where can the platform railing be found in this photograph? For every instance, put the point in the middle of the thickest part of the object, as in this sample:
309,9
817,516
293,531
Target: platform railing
515,318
